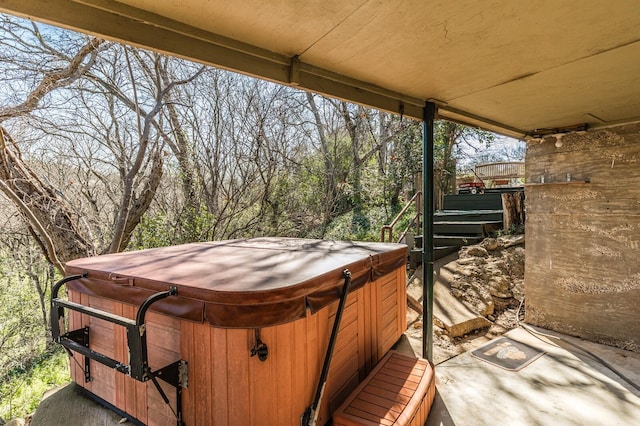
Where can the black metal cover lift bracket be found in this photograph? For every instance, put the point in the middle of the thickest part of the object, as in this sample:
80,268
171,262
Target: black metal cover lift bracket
175,374
81,337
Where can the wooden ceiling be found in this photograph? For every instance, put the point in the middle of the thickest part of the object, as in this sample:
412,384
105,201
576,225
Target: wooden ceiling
508,66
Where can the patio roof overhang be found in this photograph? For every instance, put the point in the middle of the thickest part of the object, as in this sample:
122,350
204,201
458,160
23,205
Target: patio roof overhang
510,67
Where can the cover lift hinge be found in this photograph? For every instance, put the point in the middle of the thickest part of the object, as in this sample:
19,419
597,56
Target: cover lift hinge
175,374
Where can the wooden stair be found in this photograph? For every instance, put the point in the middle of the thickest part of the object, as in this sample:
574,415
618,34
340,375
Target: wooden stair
466,219
470,202
466,228
454,229
398,392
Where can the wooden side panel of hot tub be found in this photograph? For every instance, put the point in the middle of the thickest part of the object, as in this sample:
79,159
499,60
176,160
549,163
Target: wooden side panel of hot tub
229,387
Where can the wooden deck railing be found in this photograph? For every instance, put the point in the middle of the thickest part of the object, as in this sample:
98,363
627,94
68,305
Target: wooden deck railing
387,230
514,169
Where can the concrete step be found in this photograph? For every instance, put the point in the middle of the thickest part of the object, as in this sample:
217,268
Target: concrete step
449,313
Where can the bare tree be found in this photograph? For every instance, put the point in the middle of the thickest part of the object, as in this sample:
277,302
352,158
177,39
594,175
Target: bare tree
50,220
332,173
108,102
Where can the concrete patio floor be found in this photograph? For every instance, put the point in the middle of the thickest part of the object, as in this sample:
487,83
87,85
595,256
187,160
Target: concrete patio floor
564,387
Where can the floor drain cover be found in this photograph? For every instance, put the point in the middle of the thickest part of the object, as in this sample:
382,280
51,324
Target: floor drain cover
507,353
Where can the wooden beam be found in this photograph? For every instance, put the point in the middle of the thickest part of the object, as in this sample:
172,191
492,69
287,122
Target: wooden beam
123,23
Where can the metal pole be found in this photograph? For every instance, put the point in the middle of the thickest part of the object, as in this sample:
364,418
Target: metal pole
428,117
310,415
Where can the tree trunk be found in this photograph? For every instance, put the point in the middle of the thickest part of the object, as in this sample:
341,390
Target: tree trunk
330,193
48,215
509,214
41,204
513,210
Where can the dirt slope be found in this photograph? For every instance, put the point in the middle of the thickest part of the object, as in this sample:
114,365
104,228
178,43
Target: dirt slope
489,279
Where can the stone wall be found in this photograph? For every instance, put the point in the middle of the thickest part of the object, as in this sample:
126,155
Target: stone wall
582,272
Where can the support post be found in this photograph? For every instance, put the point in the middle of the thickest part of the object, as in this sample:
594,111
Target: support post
428,118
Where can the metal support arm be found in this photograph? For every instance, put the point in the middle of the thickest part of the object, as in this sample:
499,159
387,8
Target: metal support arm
310,415
138,368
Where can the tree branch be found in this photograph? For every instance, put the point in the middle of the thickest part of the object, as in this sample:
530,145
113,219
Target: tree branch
55,80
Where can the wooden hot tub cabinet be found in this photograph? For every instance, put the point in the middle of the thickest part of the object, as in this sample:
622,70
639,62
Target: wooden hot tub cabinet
281,291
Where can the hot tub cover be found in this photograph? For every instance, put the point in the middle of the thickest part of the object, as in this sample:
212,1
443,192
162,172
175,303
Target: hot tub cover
242,283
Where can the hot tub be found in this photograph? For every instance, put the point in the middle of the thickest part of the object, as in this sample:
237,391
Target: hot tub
245,325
